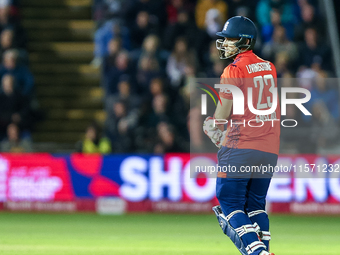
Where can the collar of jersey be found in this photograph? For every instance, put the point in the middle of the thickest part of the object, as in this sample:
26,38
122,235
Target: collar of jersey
242,54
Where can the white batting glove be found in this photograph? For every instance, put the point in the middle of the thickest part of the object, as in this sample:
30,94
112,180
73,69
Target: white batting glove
213,132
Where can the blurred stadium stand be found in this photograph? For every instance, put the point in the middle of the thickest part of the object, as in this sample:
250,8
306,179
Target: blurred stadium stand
61,48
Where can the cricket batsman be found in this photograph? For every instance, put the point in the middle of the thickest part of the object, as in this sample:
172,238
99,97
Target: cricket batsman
249,141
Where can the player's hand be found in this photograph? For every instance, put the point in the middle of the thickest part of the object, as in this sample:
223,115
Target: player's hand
213,132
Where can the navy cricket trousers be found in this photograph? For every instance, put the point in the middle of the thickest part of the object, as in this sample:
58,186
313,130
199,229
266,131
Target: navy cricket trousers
244,187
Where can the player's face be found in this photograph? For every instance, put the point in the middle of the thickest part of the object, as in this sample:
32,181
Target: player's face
227,47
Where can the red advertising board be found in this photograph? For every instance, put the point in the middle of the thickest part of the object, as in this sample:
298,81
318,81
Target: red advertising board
43,182
39,177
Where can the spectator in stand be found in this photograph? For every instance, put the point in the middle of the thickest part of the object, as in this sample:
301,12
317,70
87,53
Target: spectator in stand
270,13
324,129
184,26
159,112
189,82
329,96
216,70
6,39
309,19
242,8
124,94
5,4
113,73
197,137
304,2
141,29
280,43
104,35
7,42
167,140
13,143
297,139
93,142
120,126
323,94
180,103
14,107
314,52
180,57
288,81
155,9
9,20
156,87
267,29
213,22
306,77
211,57
148,69
203,6
104,10
145,133
172,9
4,14
151,48
114,48
24,81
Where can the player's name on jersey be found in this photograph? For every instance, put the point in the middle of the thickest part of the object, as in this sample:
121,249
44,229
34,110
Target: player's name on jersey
258,67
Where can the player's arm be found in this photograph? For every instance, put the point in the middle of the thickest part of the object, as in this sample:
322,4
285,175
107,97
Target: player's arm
231,75
223,111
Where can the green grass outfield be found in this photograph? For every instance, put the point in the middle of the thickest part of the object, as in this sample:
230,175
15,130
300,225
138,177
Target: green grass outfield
151,234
